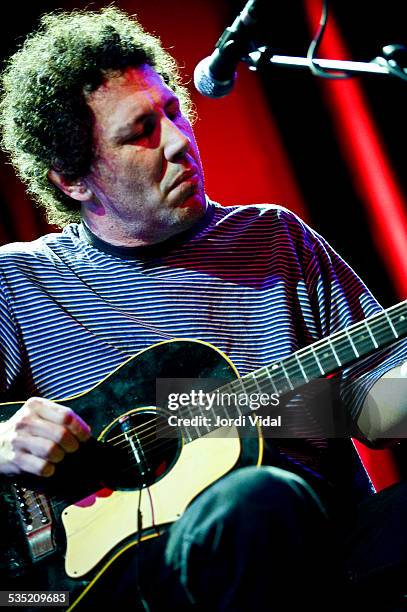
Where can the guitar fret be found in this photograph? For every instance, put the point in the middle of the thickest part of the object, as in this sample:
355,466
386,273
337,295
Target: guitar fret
222,407
301,368
238,410
287,377
239,382
355,350
272,384
256,383
391,324
334,352
328,358
263,380
198,428
187,435
371,334
275,382
225,410
317,360
398,315
270,378
249,383
198,432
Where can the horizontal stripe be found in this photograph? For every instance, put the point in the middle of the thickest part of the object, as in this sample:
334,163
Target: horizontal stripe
255,281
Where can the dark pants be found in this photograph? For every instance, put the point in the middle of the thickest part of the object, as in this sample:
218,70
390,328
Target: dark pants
259,538
374,548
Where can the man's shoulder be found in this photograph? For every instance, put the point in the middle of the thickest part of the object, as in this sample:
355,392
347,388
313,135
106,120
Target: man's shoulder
262,216
33,250
14,251
261,208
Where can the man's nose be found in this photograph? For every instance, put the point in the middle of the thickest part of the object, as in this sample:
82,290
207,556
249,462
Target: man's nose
175,142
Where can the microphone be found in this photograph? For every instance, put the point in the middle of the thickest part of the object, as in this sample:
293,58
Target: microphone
215,75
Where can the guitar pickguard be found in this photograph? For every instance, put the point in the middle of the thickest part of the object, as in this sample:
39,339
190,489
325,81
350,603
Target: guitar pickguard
92,531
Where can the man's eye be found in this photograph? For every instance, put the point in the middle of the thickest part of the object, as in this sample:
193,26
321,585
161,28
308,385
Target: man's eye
147,130
133,138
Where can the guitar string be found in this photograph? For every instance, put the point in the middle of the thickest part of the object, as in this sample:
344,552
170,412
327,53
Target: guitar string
57,503
142,431
306,352
157,444
152,423
37,512
161,444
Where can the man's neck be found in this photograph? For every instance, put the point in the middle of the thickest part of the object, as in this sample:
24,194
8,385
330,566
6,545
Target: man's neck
133,233
148,248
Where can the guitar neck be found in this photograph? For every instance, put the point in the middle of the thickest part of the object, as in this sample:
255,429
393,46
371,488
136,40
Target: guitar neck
333,353
317,360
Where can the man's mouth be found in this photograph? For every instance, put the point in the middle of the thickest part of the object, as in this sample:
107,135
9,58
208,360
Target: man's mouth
188,176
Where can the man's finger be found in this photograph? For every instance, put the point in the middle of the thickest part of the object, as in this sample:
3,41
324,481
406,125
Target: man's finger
40,447
51,431
34,465
61,415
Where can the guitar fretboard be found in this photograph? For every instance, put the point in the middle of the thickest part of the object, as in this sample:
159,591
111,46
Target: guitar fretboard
317,360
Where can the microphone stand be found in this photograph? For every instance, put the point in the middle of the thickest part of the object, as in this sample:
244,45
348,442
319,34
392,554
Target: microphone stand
263,56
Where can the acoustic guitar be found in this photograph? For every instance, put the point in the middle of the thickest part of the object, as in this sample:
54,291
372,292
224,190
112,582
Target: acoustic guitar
139,472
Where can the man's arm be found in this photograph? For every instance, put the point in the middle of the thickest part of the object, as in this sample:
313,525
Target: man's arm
374,389
384,410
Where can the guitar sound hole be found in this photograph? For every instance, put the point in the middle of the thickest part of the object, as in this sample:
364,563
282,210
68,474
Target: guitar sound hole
139,452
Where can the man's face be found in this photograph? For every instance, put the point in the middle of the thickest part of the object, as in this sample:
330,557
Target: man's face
146,178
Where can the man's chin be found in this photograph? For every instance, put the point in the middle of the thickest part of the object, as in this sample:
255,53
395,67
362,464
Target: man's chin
192,205
186,213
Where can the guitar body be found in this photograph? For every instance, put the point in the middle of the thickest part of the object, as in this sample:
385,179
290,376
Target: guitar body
63,533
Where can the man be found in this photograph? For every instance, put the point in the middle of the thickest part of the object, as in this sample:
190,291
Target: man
96,122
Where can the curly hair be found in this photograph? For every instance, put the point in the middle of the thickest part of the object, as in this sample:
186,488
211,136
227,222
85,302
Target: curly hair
45,120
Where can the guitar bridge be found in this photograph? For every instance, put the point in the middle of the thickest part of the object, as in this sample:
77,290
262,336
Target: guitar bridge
36,517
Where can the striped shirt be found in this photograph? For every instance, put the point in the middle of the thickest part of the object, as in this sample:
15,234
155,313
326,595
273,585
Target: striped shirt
255,281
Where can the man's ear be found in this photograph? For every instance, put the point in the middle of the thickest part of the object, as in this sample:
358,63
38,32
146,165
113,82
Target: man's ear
77,190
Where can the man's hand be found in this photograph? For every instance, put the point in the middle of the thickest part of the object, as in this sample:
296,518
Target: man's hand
38,436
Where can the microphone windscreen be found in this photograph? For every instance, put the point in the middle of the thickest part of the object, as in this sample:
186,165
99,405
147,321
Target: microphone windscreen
206,84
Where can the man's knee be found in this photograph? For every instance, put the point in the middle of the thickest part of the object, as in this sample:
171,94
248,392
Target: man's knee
251,500
267,489
264,514
267,486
